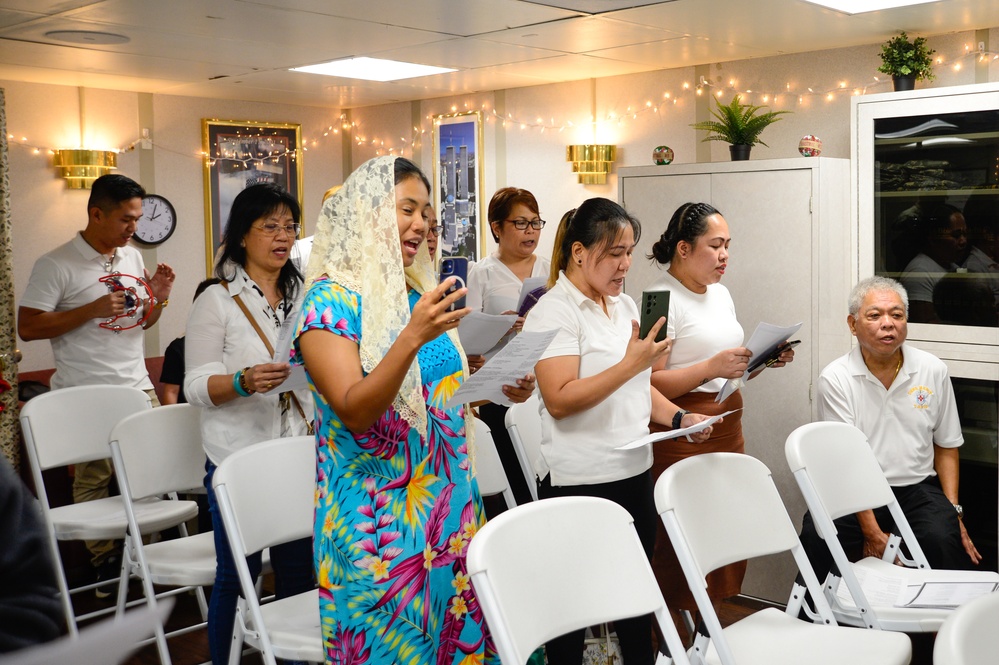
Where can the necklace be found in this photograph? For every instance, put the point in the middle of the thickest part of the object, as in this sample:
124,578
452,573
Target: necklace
109,261
897,368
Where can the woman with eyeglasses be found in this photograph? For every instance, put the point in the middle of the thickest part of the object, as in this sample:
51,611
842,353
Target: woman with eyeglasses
494,286
230,374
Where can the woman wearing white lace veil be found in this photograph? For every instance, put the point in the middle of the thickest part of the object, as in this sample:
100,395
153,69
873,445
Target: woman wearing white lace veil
396,501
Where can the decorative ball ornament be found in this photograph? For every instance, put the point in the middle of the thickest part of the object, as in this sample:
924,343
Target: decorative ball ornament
810,146
662,155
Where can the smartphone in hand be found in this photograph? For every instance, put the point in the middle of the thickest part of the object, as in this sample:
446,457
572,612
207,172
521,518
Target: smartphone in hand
655,304
455,266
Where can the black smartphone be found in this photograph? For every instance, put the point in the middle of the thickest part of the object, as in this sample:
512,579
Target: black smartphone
654,305
455,266
774,356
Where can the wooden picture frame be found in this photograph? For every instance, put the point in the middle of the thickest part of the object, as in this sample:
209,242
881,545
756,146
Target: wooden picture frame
240,153
458,184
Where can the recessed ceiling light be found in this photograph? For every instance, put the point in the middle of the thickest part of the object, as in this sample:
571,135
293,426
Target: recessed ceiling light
372,69
86,37
863,6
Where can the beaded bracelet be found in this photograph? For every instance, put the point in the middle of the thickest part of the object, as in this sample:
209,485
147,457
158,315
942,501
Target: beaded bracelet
237,384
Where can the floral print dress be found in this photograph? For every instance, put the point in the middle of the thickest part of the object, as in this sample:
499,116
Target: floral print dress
394,516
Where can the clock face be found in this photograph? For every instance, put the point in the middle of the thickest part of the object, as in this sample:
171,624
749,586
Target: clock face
158,220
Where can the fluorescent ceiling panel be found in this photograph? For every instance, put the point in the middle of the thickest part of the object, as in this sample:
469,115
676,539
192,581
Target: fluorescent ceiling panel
372,69
863,6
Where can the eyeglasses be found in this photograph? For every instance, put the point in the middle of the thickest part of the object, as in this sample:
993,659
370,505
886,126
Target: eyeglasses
522,224
272,229
434,231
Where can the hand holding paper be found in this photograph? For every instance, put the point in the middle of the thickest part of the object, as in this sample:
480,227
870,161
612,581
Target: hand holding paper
675,433
764,341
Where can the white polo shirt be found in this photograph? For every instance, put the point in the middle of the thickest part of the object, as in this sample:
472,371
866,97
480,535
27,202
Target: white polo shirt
580,449
67,278
901,423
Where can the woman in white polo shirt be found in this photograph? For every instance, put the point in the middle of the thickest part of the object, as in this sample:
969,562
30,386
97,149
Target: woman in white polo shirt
595,388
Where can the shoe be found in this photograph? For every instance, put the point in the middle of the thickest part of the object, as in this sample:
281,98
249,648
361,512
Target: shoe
106,572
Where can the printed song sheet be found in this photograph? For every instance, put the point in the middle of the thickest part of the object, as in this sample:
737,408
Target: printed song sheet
282,351
479,332
764,340
515,360
674,433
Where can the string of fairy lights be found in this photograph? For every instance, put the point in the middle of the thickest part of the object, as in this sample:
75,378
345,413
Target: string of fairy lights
784,96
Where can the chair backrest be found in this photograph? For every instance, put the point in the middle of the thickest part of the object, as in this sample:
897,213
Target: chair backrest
548,567
840,465
72,425
523,423
727,507
161,450
271,488
969,635
488,468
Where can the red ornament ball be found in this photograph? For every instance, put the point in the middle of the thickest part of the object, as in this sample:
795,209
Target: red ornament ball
810,146
662,155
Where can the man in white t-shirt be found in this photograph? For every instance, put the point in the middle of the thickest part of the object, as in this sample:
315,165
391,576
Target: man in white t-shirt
65,302
901,397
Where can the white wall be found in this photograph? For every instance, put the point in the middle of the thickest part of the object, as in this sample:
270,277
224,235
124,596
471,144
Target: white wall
46,214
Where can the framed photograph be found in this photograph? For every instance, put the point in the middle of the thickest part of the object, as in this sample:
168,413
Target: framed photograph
239,154
458,185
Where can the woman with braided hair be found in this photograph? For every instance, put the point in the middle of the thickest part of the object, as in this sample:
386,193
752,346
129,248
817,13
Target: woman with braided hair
707,350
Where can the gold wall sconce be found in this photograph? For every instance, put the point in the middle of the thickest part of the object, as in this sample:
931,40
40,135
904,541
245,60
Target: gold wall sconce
591,163
81,167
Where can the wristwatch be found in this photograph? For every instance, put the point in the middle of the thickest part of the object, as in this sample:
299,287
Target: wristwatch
677,417
960,510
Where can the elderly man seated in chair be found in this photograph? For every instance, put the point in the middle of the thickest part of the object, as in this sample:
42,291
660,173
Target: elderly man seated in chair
902,399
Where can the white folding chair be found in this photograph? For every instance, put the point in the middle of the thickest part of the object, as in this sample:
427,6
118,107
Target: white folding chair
488,467
969,636
585,566
523,423
68,426
724,507
159,452
838,475
266,496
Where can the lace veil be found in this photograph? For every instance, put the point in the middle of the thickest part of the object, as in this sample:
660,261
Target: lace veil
357,245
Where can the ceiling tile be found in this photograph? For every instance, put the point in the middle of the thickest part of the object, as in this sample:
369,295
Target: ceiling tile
581,35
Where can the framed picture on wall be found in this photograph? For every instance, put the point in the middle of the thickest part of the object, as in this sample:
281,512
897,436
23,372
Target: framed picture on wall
458,179
238,154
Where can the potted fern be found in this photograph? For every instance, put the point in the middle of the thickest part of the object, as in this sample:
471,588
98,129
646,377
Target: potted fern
738,124
906,62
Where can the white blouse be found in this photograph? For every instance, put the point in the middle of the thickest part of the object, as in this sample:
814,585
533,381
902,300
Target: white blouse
221,340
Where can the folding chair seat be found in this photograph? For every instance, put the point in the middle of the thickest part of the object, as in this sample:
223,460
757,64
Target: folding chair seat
69,426
838,475
159,452
724,507
488,467
585,566
969,634
266,496
523,423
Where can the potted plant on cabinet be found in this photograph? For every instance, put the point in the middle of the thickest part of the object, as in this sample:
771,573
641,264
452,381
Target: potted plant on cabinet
739,125
906,62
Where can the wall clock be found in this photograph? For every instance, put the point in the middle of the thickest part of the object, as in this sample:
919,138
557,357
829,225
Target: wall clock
158,220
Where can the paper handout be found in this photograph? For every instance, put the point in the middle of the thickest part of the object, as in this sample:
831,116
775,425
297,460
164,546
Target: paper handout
515,360
479,332
763,342
282,354
530,284
674,433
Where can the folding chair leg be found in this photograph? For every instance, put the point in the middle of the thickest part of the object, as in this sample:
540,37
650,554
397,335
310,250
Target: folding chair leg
64,596
688,622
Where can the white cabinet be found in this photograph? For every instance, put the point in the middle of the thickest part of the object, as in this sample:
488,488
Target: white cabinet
790,261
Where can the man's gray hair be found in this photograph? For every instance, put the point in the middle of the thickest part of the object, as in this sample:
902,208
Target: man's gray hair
876,283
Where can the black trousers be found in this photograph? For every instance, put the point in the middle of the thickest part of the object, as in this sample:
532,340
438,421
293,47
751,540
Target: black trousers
634,635
930,514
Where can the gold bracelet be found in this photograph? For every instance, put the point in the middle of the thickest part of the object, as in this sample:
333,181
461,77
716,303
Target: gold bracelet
162,303
242,381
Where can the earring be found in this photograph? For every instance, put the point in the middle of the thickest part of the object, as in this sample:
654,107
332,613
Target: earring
579,261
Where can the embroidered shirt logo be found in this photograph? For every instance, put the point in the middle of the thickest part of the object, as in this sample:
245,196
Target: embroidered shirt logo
921,397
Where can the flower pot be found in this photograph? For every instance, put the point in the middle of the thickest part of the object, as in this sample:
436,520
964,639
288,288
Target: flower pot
904,82
739,151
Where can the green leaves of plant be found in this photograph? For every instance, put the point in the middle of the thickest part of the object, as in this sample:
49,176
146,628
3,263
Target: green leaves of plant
738,123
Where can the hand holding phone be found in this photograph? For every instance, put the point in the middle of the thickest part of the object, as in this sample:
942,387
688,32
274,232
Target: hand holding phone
655,304
457,267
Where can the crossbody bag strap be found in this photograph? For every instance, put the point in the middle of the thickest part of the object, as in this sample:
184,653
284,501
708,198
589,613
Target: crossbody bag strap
267,345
